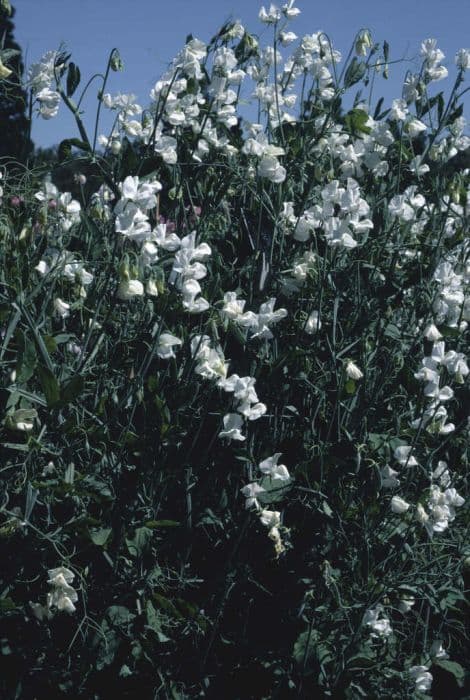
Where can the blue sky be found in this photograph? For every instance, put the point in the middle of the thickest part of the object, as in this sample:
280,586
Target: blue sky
149,33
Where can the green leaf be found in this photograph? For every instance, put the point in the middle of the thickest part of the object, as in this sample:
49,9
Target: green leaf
355,122
65,148
27,357
153,524
305,647
354,73
120,616
452,667
72,389
50,386
100,537
50,343
73,79
153,621
139,542
7,604
350,386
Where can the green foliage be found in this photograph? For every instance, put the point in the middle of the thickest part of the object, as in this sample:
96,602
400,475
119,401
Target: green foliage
134,564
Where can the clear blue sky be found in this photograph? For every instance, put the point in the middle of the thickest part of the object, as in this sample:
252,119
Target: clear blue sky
149,33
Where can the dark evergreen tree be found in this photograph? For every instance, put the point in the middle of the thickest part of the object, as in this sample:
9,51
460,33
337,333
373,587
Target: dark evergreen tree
15,142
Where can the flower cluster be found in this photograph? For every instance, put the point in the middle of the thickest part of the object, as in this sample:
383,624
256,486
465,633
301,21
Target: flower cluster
41,76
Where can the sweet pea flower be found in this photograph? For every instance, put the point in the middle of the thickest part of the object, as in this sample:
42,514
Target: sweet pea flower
166,343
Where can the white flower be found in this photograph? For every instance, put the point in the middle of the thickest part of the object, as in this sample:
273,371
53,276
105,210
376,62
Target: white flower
151,288
437,651
406,603
270,16
415,127
232,427
270,168
61,308
265,317
398,505
462,59
353,371
128,289
62,596
404,457
251,491
289,11
270,518
313,323
432,333
271,468
388,477
421,677
49,102
287,38
22,419
380,626
166,343
191,289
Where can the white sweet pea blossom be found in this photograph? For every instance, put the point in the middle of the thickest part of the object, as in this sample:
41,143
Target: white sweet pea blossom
462,59
270,16
128,289
251,493
380,626
421,677
61,308
266,317
233,424
353,371
406,603
233,310
414,127
289,11
404,457
437,651
22,419
62,595
270,168
271,468
313,323
166,343
398,505
49,101
432,333
270,518
388,477
191,289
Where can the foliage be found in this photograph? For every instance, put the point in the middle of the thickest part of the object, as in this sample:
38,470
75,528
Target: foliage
15,142
152,543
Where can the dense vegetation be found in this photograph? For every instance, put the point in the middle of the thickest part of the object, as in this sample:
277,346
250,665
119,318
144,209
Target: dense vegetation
234,384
